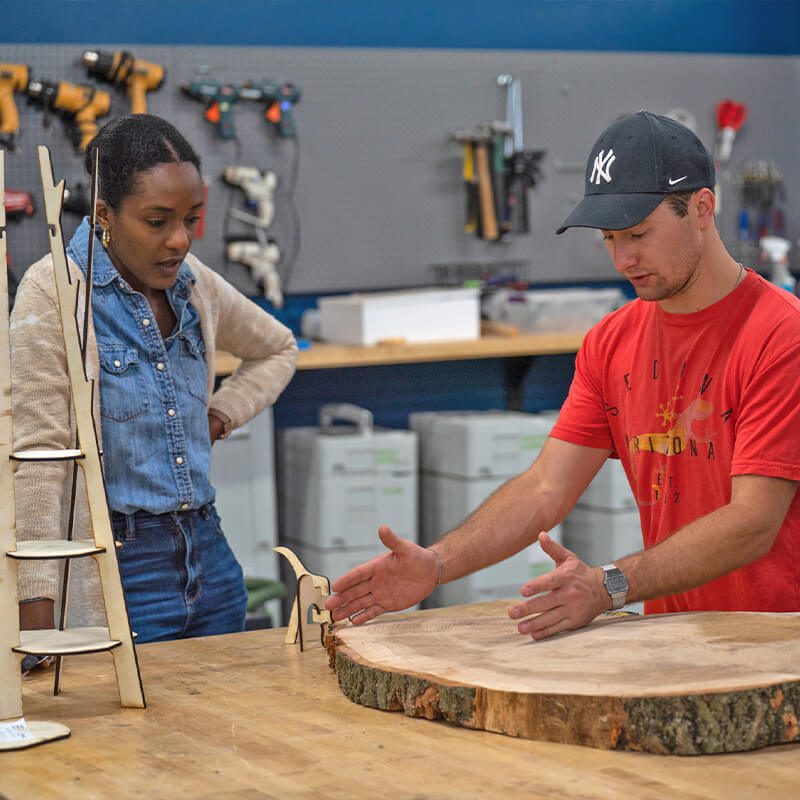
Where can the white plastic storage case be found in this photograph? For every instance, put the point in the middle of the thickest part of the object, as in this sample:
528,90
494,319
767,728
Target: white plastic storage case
464,457
598,536
479,444
339,483
609,489
422,315
243,474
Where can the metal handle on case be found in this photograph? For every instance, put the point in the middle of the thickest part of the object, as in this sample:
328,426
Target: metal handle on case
360,417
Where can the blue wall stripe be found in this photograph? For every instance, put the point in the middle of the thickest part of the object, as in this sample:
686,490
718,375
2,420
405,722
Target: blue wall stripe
767,27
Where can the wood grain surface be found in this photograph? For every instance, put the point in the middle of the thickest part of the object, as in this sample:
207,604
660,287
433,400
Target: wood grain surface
679,683
246,717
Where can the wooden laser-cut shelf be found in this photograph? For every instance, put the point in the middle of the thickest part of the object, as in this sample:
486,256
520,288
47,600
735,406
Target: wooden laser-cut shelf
117,637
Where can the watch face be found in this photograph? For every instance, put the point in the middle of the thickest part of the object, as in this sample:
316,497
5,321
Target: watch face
615,581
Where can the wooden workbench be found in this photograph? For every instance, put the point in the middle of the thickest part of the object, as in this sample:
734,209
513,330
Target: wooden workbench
245,716
324,355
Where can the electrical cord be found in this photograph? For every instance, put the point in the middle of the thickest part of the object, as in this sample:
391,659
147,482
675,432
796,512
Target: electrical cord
287,261
294,217
229,206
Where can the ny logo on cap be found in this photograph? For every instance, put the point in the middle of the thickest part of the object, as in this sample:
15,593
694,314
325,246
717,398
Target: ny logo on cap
602,165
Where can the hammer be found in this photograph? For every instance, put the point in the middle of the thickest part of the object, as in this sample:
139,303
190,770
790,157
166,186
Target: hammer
479,138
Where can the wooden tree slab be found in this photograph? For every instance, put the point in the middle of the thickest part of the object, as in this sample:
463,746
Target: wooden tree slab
709,682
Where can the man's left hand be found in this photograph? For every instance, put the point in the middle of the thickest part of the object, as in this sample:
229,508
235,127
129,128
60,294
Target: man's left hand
569,597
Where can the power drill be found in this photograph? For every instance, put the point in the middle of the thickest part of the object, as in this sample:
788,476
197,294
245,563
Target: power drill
81,106
18,204
280,98
259,188
122,69
13,78
76,200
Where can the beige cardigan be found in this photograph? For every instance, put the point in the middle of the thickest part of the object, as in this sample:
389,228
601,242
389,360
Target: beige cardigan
41,405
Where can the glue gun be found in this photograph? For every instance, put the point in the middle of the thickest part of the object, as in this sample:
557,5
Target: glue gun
219,99
280,98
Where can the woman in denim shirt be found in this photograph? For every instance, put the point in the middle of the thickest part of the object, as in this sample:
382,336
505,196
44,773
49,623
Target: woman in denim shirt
158,317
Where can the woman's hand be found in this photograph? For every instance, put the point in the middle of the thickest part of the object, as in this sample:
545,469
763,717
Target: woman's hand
215,428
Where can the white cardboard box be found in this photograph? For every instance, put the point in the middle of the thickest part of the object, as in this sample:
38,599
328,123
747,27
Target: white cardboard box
552,310
421,315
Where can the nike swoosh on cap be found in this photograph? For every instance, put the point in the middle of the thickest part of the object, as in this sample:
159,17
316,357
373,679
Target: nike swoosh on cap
677,180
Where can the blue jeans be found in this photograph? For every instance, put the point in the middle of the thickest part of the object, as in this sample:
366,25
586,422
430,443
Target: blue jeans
180,577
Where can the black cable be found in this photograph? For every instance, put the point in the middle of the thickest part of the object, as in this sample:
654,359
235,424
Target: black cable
226,220
288,263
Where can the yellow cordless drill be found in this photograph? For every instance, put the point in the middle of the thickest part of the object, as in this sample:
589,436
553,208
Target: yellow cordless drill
122,69
80,105
13,78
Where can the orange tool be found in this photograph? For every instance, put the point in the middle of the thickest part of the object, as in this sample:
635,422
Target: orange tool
13,78
122,69
81,105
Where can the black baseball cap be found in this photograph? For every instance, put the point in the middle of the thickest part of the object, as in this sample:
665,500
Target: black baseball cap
635,163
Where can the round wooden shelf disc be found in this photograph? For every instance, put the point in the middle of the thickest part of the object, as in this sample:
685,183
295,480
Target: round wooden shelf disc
42,732
55,548
46,455
71,641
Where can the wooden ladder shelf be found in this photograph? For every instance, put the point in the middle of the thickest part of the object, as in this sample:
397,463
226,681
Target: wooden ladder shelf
117,637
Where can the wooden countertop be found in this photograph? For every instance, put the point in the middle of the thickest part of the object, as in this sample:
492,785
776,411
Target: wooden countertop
245,716
324,355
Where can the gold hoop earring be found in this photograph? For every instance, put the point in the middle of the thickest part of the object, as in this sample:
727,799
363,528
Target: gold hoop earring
105,238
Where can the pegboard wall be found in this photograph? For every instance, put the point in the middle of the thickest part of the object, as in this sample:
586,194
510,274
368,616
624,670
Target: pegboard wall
379,193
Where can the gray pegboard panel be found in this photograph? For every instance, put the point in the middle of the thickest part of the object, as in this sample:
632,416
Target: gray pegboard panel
379,192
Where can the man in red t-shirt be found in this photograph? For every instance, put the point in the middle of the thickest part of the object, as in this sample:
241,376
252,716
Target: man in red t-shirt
694,386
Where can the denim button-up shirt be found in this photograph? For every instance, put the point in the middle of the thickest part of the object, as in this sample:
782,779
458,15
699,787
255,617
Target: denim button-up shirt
153,399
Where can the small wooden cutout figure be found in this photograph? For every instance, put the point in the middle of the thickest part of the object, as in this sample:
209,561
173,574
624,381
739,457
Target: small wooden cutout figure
311,593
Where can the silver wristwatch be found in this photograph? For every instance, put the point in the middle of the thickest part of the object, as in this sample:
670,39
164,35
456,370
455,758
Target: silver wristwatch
616,585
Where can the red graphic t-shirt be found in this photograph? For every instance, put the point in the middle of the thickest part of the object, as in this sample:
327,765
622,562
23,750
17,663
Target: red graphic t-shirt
688,400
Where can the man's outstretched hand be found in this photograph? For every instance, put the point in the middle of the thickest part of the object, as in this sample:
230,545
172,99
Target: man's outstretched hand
569,597
390,582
